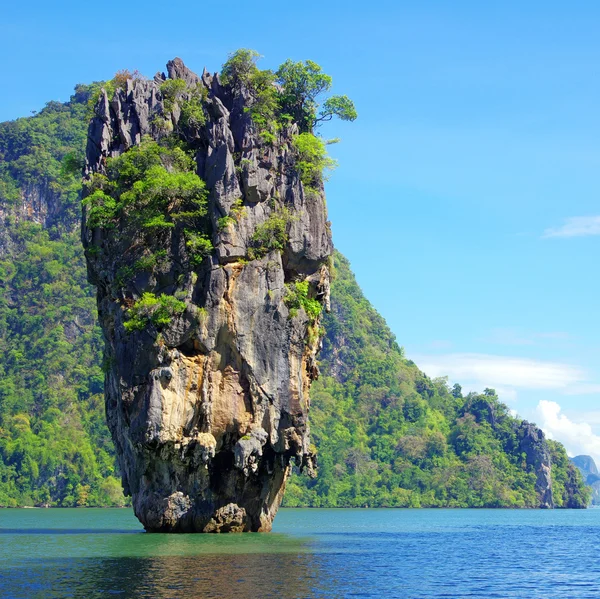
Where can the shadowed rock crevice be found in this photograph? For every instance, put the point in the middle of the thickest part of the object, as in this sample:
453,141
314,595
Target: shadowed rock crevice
209,409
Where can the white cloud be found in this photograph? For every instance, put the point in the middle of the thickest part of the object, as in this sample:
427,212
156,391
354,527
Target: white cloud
583,389
502,371
506,394
577,437
514,336
592,418
576,226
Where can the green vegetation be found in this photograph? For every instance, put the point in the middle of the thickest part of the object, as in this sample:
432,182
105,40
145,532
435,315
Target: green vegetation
119,81
32,151
152,186
313,160
290,95
387,435
236,212
224,222
54,445
147,263
296,297
302,83
270,235
176,92
295,98
337,106
172,90
199,246
566,480
150,309
192,109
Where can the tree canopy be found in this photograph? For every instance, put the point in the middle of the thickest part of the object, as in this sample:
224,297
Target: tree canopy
293,91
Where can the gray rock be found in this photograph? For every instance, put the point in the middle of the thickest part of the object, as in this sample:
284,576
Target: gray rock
589,471
208,416
533,443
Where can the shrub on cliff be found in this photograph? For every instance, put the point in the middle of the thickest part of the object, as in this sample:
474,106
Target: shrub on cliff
313,160
150,185
150,309
302,83
290,94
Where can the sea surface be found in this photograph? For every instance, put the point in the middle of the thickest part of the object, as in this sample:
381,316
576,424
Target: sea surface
383,553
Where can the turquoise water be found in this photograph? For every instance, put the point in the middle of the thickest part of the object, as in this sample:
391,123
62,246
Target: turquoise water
88,553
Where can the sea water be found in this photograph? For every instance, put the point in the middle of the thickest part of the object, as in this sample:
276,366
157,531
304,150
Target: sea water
383,553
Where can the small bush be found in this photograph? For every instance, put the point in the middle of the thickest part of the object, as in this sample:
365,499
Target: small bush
240,67
102,210
144,264
171,91
119,81
157,222
199,246
157,311
192,108
236,212
224,222
312,160
297,297
271,235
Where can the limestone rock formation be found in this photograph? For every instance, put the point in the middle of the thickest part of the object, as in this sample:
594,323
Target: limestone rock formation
532,443
208,408
586,465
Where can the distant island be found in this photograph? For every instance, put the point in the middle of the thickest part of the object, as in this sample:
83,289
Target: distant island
589,471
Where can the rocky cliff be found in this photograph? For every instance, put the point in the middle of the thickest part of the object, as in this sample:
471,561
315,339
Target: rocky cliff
209,292
533,445
587,466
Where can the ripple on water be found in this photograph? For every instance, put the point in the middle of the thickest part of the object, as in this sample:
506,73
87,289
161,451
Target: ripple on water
420,554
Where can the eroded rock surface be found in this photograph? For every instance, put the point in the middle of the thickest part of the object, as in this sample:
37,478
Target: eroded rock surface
532,443
208,414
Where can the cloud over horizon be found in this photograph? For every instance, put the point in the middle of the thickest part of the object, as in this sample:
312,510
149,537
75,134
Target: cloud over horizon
502,371
575,226
577,437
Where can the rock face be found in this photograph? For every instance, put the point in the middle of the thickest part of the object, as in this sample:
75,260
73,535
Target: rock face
208,412
586,464
589,471
532,443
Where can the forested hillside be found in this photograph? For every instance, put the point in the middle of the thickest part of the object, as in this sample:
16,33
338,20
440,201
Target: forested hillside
386,434
54,445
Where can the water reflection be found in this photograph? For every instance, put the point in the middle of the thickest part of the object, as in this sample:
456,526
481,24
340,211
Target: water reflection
168,567
248,576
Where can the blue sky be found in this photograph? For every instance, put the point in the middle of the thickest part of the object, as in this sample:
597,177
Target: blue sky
467,192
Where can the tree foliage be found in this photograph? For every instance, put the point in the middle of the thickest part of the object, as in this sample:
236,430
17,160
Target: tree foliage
150,309
313,161
151,185
387,435
290,94
54,445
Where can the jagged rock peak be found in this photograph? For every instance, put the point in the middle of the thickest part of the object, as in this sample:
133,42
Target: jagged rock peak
210,258
177,70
